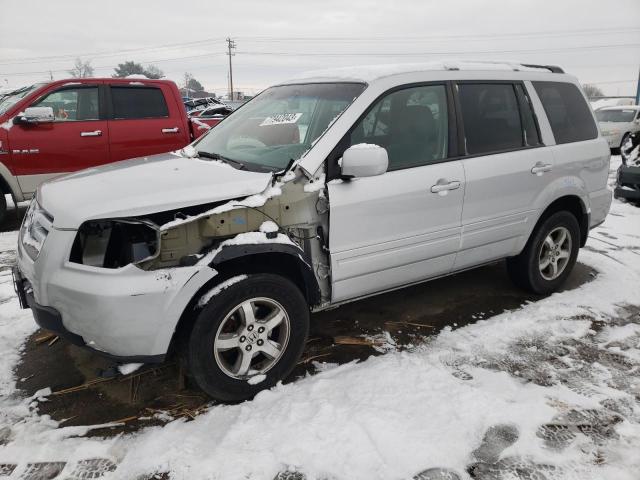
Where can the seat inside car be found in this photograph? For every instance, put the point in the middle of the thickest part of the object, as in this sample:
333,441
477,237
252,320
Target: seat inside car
413,135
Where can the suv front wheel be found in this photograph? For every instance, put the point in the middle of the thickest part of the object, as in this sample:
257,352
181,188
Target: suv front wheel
248,336
549,256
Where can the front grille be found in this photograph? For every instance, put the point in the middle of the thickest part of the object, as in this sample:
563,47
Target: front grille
35,229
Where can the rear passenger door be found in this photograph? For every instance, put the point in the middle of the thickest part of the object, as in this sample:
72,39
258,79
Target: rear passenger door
505,170
143,121
402,226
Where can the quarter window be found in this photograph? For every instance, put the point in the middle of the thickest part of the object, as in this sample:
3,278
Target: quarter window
138,102
567,110
411,124
73,104
491,117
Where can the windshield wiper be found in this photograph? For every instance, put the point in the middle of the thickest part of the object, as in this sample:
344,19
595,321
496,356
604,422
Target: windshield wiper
217,156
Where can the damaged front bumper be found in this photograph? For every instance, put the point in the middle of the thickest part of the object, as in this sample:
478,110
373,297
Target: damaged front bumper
126,313
628,183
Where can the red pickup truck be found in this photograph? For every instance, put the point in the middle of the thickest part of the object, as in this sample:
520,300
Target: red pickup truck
48,129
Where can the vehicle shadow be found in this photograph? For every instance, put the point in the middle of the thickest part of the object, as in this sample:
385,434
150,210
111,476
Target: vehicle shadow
355,331
14,215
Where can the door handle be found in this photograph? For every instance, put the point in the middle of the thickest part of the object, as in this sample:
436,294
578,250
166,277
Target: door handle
539,168
95,133
170,130
443,186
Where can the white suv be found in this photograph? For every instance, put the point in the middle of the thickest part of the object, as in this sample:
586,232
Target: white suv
319,191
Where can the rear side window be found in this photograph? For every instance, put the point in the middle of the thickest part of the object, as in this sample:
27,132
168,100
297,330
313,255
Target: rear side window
138,102
567,110
491,117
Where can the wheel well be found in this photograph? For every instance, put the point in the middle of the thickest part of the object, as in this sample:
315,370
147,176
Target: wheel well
4,187
284,264
574,205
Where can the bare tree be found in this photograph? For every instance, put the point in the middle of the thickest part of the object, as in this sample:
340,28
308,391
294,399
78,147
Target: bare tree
81,69
592,91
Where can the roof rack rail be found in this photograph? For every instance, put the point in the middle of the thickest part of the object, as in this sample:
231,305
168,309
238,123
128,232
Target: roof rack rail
551,68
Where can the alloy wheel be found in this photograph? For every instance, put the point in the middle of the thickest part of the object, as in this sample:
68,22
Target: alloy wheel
555,252
252,338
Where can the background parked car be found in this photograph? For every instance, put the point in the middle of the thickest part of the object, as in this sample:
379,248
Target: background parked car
628,177
48,129
211,111
617,123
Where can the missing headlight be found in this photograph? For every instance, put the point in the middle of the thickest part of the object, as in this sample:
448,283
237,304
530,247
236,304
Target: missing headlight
115,243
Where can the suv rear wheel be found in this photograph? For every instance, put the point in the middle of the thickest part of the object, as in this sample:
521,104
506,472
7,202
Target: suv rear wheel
247,337
549,256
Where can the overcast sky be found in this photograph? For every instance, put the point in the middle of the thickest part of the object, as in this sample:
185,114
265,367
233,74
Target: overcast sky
598,41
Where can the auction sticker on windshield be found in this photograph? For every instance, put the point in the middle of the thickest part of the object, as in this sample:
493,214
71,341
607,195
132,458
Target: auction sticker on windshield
281,118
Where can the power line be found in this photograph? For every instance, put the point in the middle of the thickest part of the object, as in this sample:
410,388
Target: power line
414,54
386,39
559,33
101,67
16,61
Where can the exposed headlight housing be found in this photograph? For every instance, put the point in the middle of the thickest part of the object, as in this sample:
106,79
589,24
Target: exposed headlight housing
35,228
115,243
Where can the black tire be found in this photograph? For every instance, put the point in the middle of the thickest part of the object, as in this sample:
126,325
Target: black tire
524,269
625,137
202,363
3,207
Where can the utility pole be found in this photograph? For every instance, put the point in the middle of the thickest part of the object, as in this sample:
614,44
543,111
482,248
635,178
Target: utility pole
231,45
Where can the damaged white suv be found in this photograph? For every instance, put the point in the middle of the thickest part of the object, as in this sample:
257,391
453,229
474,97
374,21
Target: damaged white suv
319,191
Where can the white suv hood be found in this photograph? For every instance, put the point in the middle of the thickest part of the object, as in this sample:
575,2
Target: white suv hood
143,186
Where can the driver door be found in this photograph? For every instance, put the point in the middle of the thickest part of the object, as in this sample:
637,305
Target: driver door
403,226
77,139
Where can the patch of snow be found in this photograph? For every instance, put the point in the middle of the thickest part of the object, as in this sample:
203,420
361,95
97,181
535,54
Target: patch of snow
218,288
137,75
7,125
287,177
269,227
247,238
256,379
382,342
136,83
128,368
201,124
315,184
189,151
364,146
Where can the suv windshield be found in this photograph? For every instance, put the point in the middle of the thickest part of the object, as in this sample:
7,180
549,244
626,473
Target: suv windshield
279,125
13,97
615,115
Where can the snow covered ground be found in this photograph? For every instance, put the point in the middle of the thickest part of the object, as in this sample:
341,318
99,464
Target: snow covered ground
548,391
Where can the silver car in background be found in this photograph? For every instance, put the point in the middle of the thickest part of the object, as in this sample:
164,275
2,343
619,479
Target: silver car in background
618,123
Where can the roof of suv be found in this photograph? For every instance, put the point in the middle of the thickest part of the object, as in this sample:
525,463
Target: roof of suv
369,73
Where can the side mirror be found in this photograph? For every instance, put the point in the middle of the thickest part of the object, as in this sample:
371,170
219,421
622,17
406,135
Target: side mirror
35,116
364,160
